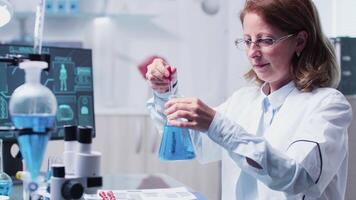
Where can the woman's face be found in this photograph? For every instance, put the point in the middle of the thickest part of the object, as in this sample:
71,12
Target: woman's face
270,63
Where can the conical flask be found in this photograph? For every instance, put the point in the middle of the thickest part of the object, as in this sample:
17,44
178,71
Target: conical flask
33,107
176,144
5,179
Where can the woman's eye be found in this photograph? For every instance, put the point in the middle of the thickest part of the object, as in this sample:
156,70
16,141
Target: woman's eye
266,41
248,42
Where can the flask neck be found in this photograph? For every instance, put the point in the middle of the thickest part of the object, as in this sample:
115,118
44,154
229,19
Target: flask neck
167,123
33,70
33,75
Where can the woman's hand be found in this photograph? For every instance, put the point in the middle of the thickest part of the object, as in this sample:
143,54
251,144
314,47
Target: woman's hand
197,115
160,74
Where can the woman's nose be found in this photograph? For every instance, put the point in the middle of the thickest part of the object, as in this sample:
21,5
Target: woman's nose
254,51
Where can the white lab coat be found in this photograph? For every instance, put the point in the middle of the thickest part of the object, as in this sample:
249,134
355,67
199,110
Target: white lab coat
303,154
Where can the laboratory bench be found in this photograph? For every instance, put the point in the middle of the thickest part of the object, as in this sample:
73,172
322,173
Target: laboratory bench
128,182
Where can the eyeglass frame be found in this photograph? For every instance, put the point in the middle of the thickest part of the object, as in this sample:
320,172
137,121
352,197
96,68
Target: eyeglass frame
259,40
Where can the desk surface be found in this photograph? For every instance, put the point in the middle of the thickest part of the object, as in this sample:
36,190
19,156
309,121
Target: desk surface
125,182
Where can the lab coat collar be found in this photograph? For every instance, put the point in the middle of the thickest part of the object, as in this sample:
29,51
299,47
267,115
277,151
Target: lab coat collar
276,98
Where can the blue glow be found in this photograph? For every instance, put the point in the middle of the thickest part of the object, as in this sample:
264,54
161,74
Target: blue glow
33,145
176,144
5,185
38,123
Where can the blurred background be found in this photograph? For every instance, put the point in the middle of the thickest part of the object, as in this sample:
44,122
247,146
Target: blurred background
196,36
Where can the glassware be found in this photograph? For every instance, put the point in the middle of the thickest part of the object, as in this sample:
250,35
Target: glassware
33,107
5,180
176,143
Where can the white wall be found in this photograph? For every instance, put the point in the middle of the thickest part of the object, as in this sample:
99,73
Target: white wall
238,63
190,40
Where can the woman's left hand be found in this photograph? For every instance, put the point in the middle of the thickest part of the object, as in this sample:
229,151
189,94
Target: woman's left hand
197,114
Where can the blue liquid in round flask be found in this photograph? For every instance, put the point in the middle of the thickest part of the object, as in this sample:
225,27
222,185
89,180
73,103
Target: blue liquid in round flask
5,179
33,109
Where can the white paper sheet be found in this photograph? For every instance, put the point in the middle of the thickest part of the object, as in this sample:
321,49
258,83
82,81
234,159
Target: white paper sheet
180,193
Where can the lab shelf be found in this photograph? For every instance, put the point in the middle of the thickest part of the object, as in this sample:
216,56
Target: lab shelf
135,22
125,16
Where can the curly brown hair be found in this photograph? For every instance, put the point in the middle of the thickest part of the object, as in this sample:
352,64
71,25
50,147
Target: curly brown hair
316,66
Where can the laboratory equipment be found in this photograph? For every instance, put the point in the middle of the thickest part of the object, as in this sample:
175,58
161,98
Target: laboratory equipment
6,12
5,180
176,143
25,177
38,31
87,162
64,188
70,144
33,108
76,61
49,6
74,6
61,6
345,51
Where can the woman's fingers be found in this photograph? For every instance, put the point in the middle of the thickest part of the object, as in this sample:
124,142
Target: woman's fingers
159,76
189,113
182,100
182,114
172,106
192,104
184,124
159,82
158,69
155,74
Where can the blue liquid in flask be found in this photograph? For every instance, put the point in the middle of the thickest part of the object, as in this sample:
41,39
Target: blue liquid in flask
33,143
176,144
5,185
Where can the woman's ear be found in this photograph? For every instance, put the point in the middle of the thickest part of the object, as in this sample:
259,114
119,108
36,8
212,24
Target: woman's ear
302,38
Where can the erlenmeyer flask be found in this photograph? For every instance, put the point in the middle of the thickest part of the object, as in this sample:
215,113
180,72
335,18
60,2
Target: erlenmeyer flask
176,144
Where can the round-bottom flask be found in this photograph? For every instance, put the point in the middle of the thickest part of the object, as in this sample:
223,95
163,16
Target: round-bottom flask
33,108
5,179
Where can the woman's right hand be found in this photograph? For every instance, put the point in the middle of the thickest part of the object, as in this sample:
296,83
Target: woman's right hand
160,75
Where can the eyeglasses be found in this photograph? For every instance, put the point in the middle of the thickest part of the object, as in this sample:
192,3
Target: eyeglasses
260,42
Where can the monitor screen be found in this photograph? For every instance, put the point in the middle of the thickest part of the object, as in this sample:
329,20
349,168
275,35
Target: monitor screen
70,77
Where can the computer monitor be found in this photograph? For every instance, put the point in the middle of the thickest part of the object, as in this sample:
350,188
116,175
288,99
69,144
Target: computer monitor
70,77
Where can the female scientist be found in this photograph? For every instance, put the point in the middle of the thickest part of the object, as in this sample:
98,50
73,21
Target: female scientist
285,138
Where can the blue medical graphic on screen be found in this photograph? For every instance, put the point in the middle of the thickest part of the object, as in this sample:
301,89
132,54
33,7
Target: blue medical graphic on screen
70,77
